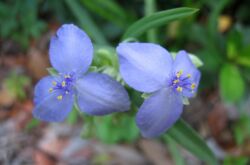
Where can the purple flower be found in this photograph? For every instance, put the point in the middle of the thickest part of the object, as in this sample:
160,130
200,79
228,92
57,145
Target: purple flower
150,68
71,53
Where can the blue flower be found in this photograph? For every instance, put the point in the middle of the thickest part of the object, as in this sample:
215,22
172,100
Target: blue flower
151,69
71,53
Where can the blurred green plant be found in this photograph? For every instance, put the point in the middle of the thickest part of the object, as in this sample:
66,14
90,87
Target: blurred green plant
19,21
16,84
232,85
32,124
86,21
241,129
109,10
73,116
233,160
174,150
187,137
113,129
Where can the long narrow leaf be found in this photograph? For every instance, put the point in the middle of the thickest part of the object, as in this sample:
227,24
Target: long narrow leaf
183,134
108,10
86,22
157,19
174,151
150,8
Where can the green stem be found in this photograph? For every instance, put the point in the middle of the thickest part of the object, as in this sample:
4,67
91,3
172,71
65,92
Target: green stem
150,8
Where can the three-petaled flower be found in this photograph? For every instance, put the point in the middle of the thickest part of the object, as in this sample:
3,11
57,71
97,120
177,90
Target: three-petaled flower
151,69
71,53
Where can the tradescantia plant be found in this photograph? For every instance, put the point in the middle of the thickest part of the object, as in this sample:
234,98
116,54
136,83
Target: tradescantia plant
150,68
167,81
71,54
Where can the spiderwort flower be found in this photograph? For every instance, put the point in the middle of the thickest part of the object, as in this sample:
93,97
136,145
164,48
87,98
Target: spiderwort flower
71,53
149,68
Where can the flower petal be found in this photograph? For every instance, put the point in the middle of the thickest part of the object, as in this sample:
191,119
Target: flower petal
184,63
144,66
52,109
99,94
42,89
159,112
195,79
70,50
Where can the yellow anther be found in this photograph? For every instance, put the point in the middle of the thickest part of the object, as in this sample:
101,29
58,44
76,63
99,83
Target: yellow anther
189,75
179,89
59,97
54,83
50,90
178,74
63,84
193,85
176,81
66,76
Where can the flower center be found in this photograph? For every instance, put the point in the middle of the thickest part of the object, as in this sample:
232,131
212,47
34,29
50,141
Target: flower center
64,84
181,82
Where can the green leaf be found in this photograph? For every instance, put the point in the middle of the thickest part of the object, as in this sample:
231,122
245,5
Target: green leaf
213,59
186,136
86,22
174,151
196,61
52,71
213,17
244,58
185,101
146,95
93,69
110,129
33,123
88,130
16,84
73,116
234,44
244,61
150,8
232,85
234,160
109,10
157,19
241,129
105,56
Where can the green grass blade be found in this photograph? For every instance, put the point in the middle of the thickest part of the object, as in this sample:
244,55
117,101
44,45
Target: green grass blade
186,136
108,10
174,151
157,19
86,22
150,8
